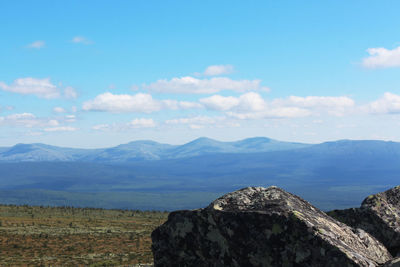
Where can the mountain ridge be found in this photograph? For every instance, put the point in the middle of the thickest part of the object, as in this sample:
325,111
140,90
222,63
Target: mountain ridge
331,174
142,150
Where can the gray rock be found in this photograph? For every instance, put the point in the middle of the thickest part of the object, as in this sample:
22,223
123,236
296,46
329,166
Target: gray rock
378,215
393,263
258,226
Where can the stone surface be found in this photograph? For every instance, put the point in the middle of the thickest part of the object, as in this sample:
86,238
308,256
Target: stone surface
378,215
393,263
258,226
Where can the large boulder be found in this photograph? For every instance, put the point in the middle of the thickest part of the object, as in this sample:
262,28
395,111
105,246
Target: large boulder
258,226
393,263
378,215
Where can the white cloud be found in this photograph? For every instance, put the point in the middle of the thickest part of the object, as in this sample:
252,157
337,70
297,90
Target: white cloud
70,92
42,88
29,133
191,85
37,44
249,105
221,103
334,105
70,118
252,106
123,103
118,127
175,105
278,112
191,120
388,104
141,123
200,122
27,120
197,122
246,102
81,40
21,116
318,101
188,105
140,102
101,127
53,123
251,102
59,110
382,58
61,129
216,70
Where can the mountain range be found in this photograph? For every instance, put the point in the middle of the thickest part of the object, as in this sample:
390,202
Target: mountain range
141,150
149,175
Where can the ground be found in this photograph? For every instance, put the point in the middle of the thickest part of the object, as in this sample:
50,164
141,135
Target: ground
60,236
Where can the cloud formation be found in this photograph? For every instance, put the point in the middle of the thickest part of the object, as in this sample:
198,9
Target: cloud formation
191,85
42,88
81,40
37,44
27,120
70,118
317,101
246,102
388,104
140,102
122,103
196,122
59,110
101,127
216,70
136,123
333,105
70,93
61,129
252,106
142,123
382,58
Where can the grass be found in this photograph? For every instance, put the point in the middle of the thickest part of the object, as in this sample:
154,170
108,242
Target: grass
65,236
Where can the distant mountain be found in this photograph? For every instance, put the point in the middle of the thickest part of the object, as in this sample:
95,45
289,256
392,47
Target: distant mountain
133,151
263,144
41,152
353,147
202,146
332,175
141,150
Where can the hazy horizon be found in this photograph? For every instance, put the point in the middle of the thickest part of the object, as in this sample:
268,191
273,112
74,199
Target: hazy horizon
190,140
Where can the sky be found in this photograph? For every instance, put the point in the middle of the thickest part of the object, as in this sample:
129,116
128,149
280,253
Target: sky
101,73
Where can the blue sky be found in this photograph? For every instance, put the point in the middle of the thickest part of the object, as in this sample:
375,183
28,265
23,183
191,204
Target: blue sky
102,73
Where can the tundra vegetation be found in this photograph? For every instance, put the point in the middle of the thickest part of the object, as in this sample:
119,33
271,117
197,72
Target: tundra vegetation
66,236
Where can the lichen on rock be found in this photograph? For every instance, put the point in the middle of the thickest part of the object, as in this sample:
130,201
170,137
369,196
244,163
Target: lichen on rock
258,226
378,215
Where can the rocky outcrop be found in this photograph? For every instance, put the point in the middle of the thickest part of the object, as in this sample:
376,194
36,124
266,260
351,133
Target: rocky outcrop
393,263
378,215
258,226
